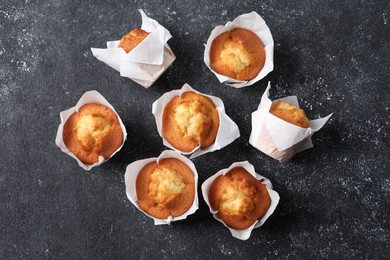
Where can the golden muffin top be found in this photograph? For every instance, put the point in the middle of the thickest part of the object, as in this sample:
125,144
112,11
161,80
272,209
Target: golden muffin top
165,183
92,131
190,120
239,198
166,188
238,54
191,117
290,113
132,39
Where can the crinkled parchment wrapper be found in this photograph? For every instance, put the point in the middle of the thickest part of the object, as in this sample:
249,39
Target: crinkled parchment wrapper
228,130
253,22
147,61
89,97
245,233
277,138
132,171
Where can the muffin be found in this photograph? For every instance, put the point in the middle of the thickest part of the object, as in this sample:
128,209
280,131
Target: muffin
290,113
239,198
189,121
238,54
132,39
166,188
91,132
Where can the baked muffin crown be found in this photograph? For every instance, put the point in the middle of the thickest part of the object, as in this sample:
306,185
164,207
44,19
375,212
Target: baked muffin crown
189,121
290,113
166,188
192,118
91,132
239,198
132,39
238,54
165,183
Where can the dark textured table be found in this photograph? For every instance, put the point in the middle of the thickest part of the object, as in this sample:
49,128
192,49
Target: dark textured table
335,198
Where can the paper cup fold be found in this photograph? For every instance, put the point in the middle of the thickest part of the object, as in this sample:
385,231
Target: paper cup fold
228,130
132,171
147,61
242,234
89,97
253,22
277,138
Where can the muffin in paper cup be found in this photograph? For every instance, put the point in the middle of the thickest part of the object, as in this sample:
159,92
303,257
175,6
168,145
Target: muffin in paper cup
88,97
227,131
134,169
255,23
147,61
278,138
243,234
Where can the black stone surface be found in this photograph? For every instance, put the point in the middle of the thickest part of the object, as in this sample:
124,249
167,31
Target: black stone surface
334,55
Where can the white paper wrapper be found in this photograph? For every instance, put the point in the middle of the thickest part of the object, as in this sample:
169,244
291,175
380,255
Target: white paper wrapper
242,234
89,97
278,138
131,175
147,61
228,130
253,22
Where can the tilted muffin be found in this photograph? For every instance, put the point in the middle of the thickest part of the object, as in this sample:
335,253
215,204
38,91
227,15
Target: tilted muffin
132,39
165,189
290,113
189,121
239,198
92,131
238,54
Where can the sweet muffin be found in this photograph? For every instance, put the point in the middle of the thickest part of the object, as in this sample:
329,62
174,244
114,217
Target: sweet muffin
290,113
238,54
239,198
165,189
91,132
132,39
189,121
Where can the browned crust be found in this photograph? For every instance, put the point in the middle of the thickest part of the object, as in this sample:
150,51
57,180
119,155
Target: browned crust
252,46
183,200
261,200
107,145
290,113
132,39
171,130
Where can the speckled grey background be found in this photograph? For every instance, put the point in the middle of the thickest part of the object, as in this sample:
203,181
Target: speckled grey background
334,55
